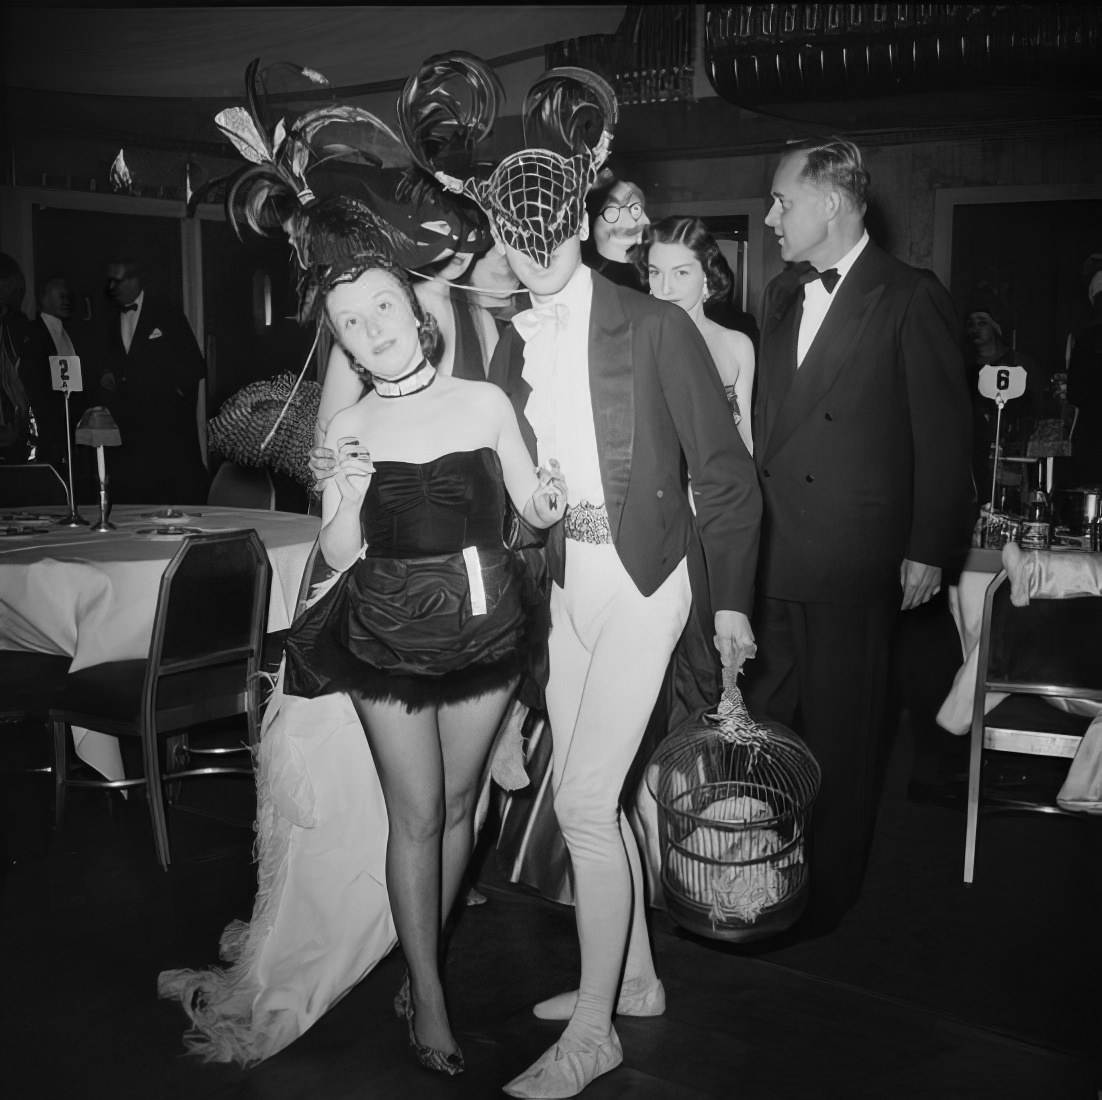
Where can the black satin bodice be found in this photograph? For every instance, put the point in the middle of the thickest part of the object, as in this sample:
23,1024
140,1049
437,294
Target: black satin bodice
418,509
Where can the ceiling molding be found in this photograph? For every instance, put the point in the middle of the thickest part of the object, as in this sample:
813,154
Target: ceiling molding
202,51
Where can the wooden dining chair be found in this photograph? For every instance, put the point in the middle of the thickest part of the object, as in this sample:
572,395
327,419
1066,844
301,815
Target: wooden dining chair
203,662
28,484
1050,649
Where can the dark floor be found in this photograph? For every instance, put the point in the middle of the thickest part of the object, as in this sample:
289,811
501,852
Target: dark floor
929,989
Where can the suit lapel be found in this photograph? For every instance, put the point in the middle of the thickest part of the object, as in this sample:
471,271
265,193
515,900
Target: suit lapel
115,332
142,328
830,351
781,327
47,335
612,393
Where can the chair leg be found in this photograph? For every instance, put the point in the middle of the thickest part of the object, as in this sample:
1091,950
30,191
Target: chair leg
155,792
975,764
61,771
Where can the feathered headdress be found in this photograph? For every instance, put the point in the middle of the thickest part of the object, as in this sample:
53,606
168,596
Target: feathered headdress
535,196
334,178
329,176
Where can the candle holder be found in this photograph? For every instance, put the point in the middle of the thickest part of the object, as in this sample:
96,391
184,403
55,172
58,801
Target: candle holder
98,429
73,518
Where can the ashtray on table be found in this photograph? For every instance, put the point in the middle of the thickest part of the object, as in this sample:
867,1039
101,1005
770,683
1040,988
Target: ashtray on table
1062,540
170,514
168,531
13,530
26,517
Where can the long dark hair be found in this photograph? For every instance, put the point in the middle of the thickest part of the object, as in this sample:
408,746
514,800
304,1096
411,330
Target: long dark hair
694,235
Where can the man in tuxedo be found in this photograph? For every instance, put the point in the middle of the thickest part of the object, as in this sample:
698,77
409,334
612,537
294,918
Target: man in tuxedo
154,383
618,392
862,443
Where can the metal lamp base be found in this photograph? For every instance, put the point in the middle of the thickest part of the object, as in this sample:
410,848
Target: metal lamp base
104,523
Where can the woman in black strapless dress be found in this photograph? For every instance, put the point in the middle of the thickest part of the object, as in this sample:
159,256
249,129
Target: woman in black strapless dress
431,623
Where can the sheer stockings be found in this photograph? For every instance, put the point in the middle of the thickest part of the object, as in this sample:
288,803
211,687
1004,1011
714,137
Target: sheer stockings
429,764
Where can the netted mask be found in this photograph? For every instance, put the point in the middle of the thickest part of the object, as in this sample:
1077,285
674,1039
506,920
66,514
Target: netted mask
536,200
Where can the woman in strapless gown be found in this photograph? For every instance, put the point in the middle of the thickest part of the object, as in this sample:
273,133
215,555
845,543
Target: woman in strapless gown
467,340
421,632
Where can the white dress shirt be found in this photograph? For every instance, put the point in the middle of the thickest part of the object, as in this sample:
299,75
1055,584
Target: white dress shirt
129,321
556,366
817,299
58,334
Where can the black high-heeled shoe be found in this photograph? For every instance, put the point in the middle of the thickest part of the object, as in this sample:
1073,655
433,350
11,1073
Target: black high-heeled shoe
429,1057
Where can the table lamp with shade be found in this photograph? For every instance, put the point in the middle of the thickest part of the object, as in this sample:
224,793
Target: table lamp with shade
97,428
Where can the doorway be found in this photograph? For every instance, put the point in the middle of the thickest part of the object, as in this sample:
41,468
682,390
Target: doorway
78,245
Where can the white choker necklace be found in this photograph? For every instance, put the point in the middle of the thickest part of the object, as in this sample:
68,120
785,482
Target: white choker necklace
420,378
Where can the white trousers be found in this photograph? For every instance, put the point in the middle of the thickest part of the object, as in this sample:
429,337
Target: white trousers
609,647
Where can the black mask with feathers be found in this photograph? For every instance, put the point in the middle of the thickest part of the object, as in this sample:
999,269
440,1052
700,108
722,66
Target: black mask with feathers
535,196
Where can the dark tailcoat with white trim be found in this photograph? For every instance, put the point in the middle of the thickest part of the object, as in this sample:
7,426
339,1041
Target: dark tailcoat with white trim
659,409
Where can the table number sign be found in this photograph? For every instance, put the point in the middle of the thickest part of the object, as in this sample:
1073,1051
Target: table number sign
65,373
1000,384
66,378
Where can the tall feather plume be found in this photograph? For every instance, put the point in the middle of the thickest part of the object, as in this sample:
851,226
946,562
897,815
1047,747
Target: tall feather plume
264,192
446,109
292,162
252,94
570,111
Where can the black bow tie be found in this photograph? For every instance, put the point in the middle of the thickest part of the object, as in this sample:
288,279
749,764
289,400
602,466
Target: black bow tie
134,305
805,273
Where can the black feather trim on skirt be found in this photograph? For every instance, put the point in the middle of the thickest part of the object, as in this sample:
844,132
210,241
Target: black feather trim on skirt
403,629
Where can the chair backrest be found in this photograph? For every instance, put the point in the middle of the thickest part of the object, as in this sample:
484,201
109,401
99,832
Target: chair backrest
237,486
27,484
211,614
1050,647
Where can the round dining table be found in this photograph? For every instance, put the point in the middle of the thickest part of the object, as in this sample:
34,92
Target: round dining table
92,594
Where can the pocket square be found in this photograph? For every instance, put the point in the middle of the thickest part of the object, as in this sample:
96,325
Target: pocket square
155,334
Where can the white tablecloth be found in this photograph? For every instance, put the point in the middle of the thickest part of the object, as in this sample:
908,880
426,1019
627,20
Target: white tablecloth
92,595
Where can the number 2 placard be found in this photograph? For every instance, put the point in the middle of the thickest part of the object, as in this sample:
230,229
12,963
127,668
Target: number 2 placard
65,373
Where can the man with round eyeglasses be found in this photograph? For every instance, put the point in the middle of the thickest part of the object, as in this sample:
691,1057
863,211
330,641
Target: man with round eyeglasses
611,214
617,217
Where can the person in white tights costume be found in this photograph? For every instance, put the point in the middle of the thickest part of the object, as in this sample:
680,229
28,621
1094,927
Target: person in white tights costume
620,389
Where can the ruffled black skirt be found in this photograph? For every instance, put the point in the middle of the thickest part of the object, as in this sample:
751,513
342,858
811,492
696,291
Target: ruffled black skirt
403,629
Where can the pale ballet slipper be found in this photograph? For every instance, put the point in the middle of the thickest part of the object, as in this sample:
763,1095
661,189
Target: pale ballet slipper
566,1068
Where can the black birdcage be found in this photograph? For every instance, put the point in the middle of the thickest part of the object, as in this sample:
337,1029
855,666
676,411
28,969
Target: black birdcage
734,799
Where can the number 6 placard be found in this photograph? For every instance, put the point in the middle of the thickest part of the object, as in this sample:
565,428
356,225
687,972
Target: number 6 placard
998,382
